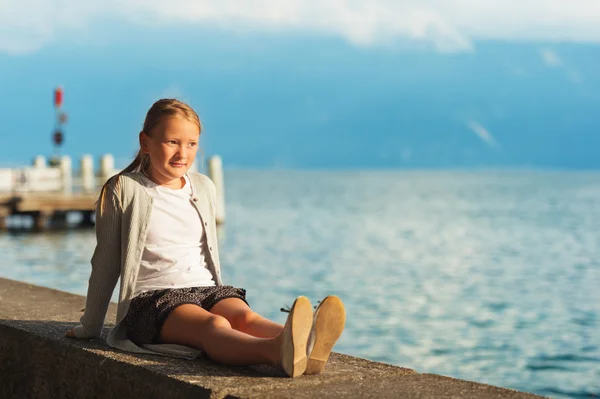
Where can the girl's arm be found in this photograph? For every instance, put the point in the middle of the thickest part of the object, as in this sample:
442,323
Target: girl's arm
106,262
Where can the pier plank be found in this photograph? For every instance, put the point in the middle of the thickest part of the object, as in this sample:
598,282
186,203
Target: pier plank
46,206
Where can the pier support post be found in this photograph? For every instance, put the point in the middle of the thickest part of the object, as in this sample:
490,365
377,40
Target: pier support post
66,175
215,172
87,219
59,219
87,174
3,218
107,167
39,162
40,220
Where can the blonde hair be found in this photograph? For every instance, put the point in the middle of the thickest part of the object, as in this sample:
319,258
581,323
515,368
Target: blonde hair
158,112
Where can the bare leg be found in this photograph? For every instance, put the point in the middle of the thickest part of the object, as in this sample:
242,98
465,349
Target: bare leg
193,326
243,319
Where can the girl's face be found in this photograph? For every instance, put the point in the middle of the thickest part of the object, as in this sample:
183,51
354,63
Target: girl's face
172,146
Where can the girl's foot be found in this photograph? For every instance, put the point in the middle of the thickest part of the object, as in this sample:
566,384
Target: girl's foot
328,324
294,337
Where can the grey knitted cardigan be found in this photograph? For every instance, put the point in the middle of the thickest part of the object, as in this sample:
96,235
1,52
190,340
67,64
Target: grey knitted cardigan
122,217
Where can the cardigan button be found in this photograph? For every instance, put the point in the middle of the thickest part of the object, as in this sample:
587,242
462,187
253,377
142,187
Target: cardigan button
210,248
206,223
195,199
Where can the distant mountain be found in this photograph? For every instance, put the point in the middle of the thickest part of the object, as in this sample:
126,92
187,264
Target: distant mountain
309,103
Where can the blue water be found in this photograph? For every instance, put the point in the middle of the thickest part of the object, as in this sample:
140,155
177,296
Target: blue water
487,276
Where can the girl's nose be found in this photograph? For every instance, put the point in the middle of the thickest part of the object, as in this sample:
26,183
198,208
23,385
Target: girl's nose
182,152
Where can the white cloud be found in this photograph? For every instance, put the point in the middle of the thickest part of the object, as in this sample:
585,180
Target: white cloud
444,25
483,133
551,58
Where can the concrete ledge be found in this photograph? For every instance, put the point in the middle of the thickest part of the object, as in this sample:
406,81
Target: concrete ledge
37,361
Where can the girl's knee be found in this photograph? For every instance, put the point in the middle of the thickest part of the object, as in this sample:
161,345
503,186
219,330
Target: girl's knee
243,319
217,322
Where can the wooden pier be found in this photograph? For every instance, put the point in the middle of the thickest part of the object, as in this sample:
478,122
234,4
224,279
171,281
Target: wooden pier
47,207
49,193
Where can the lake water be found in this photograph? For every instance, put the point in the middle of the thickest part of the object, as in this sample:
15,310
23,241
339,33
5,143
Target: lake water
487,276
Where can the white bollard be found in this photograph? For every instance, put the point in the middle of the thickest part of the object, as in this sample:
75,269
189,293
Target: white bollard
39,162
107,167
66,174
215,172
87,174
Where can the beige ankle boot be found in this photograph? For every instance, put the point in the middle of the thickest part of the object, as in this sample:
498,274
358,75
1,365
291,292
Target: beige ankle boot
328,323
295,337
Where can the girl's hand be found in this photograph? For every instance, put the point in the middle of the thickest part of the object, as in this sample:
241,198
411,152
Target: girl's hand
70,334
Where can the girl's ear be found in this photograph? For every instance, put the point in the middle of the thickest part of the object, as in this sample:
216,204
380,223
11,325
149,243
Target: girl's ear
144,142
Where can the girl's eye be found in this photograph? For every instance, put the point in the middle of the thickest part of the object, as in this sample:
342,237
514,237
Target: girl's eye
192,144
172,142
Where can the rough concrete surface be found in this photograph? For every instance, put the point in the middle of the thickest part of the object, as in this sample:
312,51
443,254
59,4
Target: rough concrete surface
38,361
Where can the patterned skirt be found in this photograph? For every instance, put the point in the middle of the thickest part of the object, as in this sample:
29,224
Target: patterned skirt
149,310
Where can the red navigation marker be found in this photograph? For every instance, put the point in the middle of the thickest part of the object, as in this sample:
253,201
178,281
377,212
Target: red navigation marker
58,136
58,97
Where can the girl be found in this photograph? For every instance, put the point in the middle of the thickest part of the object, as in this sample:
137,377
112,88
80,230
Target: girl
156,230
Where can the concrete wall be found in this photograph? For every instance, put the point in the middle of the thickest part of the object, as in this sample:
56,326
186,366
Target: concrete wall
37,361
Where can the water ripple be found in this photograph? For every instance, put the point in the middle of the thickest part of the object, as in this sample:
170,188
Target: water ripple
486,276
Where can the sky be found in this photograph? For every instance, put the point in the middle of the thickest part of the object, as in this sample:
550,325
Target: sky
311,84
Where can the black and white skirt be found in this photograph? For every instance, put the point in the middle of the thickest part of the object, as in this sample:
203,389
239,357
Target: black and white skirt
149,310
